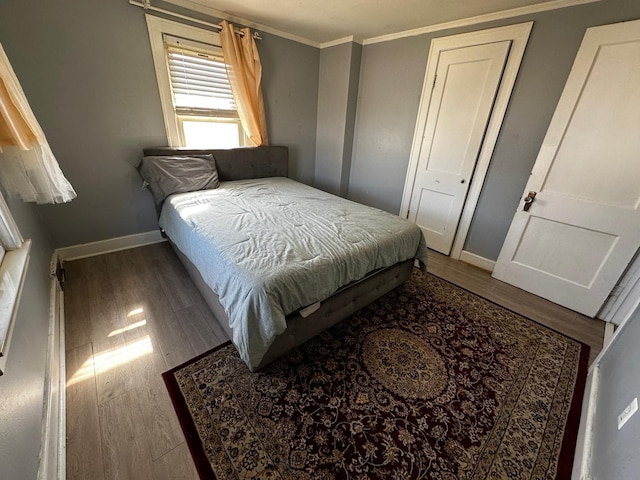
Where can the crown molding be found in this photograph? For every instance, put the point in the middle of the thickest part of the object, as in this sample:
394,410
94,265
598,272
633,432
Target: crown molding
489,17
464,22
212,12
340,41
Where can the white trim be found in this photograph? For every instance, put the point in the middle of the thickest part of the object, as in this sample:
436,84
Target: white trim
157,27
62,428
609,330
625,296
53,451
212,12
13,272
584,448
518,35
84,250
340,41
463,22
611,339
477,261
488,17
10,236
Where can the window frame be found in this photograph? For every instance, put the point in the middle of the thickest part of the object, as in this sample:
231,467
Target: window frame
200,118
158,27
13,269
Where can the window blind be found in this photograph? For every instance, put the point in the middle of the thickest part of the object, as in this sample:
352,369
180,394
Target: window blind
199,82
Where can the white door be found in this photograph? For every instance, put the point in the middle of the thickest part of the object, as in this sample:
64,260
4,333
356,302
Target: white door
464,90
583,227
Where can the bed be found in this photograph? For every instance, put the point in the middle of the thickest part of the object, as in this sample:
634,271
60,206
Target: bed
277,261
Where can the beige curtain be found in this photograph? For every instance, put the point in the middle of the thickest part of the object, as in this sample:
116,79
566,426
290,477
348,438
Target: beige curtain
245,72
28,168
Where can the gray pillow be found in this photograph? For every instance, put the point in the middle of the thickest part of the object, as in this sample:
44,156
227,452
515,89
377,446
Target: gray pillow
166,175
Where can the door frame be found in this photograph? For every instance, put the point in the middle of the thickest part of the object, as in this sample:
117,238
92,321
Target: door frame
625,296
518,34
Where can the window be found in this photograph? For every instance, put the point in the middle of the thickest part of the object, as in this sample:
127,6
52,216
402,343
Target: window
196,97
14,259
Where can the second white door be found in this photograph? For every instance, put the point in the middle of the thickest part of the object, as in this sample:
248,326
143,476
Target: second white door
583,228
464,89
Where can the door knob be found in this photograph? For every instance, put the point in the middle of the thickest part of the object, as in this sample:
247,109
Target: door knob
528,200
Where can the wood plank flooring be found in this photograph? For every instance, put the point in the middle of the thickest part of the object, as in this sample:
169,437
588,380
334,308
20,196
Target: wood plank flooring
132,315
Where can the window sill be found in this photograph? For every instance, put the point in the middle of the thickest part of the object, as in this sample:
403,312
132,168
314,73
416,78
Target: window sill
12,274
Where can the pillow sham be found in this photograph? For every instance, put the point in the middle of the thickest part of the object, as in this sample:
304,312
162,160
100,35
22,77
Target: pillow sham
166,175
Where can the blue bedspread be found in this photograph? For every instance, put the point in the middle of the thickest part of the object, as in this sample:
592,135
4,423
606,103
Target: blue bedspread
268,247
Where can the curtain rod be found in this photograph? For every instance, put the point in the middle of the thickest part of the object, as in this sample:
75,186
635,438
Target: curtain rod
146,4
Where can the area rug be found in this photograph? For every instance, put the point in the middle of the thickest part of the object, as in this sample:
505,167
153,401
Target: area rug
429,382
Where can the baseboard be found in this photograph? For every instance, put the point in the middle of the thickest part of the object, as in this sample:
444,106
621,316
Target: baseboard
53,441
609,330
84,250
582,467
477,261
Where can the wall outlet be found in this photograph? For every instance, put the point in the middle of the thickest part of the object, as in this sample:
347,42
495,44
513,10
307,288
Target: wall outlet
627,413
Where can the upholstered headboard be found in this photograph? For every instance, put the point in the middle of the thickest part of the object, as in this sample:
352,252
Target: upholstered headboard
239,163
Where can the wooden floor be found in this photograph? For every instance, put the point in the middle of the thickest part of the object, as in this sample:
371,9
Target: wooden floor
131,315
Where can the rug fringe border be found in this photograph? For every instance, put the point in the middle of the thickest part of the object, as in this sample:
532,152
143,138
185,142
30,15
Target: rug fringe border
203,467
584,345
570,437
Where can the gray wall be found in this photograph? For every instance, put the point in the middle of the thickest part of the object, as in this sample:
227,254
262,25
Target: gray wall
22,385
337,100
87,70
352,105
615,452
333,94
290,90
391,77
390,85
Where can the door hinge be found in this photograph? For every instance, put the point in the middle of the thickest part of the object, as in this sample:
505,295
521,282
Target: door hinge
408,212
616,291
435,77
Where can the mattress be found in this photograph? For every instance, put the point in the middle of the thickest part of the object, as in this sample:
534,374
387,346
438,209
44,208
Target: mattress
269,247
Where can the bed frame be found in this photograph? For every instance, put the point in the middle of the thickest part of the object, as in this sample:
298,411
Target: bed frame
261,162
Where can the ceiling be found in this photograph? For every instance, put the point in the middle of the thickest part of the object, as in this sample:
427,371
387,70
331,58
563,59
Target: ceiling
323,21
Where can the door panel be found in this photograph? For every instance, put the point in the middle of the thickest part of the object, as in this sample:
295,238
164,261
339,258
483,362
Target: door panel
466,83
575,244
461,103
603,133
583,228
434,210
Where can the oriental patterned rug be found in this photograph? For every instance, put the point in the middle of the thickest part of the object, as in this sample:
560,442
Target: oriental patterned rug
429,382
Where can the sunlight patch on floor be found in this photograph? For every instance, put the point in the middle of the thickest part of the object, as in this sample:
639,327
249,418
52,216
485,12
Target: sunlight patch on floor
111,358
133,326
